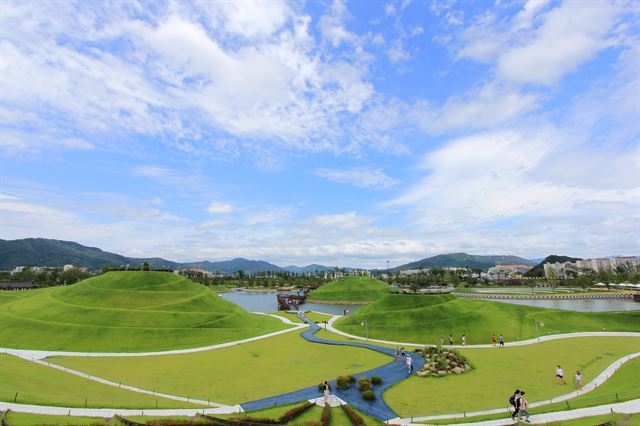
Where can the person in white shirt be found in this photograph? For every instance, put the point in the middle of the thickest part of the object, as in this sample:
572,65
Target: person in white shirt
560,375
464,340
409,364
523,408
578,379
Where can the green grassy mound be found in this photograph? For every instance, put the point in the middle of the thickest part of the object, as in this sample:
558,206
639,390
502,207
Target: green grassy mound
424,318
28,383
350,289
125,312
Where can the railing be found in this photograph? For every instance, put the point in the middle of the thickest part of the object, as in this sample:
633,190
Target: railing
545,297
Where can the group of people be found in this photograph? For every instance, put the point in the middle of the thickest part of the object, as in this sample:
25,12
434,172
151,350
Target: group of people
499,342
520,405
404,357
577,378
463,339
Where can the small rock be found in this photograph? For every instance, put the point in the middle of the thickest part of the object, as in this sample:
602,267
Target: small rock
442,373
422,373
458,370
467,367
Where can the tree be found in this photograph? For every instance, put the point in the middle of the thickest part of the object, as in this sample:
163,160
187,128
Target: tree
145,266
551,279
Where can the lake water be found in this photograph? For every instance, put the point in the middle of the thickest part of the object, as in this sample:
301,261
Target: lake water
583,305
265,301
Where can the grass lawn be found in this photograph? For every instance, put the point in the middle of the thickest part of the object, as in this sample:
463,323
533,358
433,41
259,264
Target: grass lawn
622,386
236,374
498,371
350,289
317,316
424,318
126,312
24,419
41,385
288,315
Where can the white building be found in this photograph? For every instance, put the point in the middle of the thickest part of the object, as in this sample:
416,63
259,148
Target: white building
66,268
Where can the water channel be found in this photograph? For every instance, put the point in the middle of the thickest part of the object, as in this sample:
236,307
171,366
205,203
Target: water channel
265,301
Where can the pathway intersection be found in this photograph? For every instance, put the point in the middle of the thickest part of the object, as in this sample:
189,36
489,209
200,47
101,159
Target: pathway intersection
390,373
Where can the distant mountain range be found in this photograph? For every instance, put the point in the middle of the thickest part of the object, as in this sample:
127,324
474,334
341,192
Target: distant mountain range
463,260
46,252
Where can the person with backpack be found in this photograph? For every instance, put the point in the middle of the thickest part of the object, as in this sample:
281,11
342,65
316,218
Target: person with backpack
513,400
523,408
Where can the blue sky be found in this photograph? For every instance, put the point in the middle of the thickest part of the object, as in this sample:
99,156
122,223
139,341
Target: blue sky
344,133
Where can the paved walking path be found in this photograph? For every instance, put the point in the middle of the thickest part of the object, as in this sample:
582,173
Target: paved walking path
36,354
334,318
599,380
628,407
390,373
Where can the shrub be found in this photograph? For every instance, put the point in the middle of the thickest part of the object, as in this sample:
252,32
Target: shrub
351,379
368,395
376,380
326,415
342,382
295,412
364,384
356,420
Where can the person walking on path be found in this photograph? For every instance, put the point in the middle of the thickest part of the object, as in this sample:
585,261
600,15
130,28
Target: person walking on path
409,364
464,340
523,408
451,340
325,387
397,353
493,340
514,400
501,340
578,379
560,375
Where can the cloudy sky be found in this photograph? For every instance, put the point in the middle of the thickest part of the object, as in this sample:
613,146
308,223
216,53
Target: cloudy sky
335,132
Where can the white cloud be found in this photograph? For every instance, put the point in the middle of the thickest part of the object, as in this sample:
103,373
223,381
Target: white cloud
540,45
360,176
489,105
219,208
518,189
570,35
333,25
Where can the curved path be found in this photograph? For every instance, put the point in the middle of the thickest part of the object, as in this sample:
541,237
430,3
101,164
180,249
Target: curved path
628,407
31,355
334,318
390,373
599,380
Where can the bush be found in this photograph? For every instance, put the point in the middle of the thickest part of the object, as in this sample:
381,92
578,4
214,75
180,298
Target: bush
368,395
326,415
295,412
342,382
351,379
356,420
376,380
364,384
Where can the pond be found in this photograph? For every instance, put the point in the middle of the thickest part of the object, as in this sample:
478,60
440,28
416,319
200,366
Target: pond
582,305
265,301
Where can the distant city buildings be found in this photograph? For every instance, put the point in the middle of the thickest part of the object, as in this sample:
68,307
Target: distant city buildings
587,266
500,272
